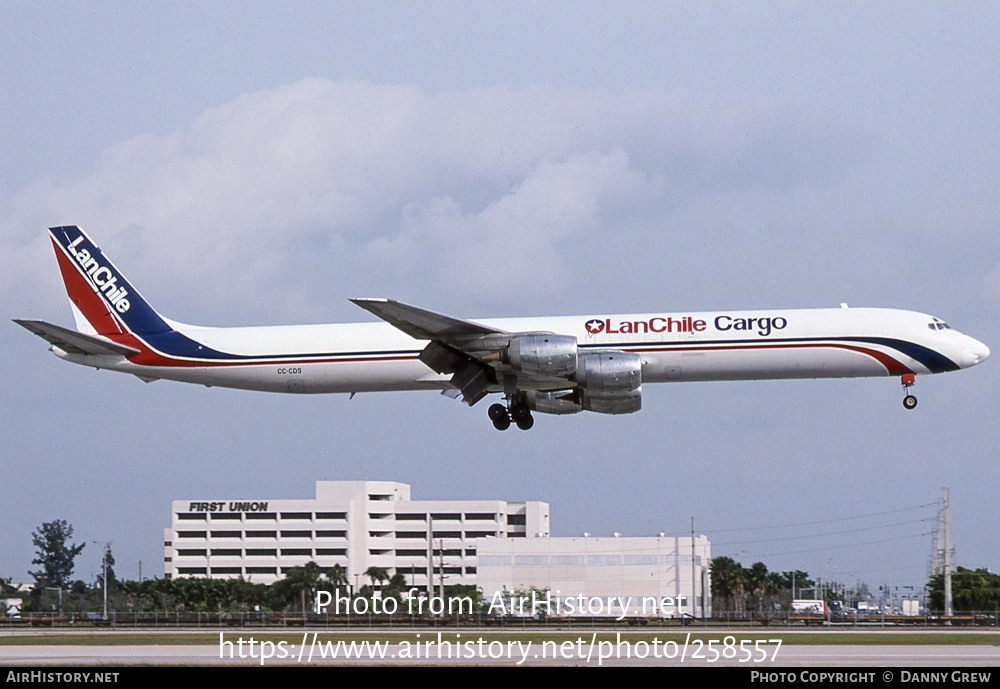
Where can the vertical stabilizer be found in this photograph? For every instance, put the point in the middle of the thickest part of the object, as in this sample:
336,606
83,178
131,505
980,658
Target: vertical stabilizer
103,301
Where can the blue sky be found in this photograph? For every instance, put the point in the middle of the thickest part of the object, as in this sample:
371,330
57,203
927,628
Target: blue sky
261,163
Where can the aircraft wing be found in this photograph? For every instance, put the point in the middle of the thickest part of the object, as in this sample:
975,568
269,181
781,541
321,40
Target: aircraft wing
423,324
73,342
469,351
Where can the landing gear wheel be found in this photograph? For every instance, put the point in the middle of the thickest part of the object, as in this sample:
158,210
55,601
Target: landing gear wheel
908,379
526,422
498,411
502,423
519,411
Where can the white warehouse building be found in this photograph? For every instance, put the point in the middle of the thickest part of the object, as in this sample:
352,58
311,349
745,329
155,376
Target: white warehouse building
499,546
600,576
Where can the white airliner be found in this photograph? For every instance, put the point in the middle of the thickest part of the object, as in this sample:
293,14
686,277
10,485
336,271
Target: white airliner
560,365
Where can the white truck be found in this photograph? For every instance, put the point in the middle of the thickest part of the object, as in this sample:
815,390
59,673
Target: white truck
803,606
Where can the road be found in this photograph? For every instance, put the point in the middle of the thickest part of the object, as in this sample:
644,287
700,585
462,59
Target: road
471,651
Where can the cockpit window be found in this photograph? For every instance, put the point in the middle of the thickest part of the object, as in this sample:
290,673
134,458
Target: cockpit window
938,324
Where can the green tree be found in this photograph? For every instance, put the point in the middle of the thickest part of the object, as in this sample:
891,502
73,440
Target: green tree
797,578
7,588
55,554
971,590
773,588
756,582
377,575
728,584
394,589
335,582
108,565
299,582
735,586
337,576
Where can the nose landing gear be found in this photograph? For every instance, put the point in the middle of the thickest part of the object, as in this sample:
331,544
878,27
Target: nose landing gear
516,411
910,402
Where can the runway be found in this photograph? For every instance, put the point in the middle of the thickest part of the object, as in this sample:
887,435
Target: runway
499,654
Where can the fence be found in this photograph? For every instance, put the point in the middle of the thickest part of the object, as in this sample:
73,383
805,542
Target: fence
275,620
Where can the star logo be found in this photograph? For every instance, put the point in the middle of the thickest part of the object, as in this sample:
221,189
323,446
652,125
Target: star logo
595,326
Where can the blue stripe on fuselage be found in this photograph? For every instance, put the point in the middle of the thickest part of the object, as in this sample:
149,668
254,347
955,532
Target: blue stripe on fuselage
934,361
175,344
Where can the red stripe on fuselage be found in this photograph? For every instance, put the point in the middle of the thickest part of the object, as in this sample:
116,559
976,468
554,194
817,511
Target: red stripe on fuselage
894,367
151,358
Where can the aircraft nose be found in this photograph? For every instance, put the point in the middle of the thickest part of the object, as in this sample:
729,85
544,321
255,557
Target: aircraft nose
976,353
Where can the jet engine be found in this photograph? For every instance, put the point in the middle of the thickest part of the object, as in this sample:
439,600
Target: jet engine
542,355
608,383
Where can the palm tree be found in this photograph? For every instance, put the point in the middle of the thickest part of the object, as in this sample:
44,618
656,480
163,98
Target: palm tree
727,581
337,576
377,574
773,588
301,580
756,582
395,588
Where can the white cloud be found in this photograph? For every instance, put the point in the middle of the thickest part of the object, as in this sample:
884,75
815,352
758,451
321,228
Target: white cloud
520,241
323,190
255,187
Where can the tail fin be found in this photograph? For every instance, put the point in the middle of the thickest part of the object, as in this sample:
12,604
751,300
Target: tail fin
103,301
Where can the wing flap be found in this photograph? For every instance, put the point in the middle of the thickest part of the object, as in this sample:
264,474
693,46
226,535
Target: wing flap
73,342
442,358
472,378
474,382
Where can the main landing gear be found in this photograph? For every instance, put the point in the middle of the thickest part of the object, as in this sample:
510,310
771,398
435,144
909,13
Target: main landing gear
910,402
516,411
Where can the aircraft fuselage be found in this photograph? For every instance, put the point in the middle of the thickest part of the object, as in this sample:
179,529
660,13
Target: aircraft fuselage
706,346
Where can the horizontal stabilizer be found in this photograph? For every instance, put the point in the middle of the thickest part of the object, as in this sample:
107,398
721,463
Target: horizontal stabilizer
73,342
423,324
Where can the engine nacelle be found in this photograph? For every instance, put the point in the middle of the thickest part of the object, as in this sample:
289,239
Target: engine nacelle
618,403
543,355
606,373
607,383
610,382
563,402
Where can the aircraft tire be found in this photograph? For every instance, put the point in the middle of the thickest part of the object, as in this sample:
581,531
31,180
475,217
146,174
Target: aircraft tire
502,424
497,411
519,411
910,402
525,423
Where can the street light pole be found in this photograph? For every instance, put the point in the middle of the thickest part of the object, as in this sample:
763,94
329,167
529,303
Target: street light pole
104,579
53,588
